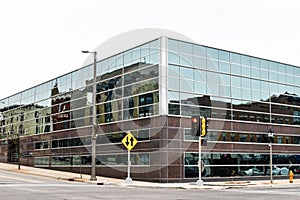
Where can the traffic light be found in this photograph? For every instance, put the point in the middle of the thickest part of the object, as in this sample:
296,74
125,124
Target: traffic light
203,126
195,121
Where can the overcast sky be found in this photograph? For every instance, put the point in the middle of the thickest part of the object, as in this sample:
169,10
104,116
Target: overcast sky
43,39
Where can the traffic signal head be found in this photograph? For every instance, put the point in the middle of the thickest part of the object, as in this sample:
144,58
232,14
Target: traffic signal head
195,124
203,126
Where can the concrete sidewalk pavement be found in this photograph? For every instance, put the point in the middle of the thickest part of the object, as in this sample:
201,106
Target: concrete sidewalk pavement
121,182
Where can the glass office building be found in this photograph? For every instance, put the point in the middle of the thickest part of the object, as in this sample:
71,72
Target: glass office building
152,90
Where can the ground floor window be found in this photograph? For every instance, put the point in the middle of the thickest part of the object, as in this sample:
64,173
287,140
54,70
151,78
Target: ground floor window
137,159
226,165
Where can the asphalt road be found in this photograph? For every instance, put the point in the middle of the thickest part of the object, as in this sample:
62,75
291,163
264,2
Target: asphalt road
14,185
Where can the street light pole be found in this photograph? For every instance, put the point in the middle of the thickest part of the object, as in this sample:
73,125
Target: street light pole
94,123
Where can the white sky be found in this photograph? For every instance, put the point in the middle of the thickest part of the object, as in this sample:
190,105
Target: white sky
43,39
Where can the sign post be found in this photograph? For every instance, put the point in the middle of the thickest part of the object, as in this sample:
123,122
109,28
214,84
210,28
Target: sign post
129,141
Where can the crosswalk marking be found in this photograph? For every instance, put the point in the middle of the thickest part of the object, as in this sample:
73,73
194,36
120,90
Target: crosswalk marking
267,191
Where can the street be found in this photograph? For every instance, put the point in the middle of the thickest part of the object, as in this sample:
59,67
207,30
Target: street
14,185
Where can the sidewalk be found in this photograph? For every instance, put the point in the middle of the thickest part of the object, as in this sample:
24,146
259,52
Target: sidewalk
68,176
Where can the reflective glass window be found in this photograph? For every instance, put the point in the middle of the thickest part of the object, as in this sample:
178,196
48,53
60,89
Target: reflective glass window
289,69
213,77
290,89
236,81
173,83
43,91
281,68
64,83
297,81
200,62
246,71
127,57
200,87
174,109
225,91
186,85
212,65
255,73
273,76
246,93
236,92
145,50
186,73
154,45
224,67
236,69
255,94
255,84
186,98
264,85
281,78
154,58
213,89
297,71
15,99
282,88
263,64
173,58
265,95
135,53
173,97
224,55
264,74
28,96
297,91
173,45
212,53
224,79
235,58
246,83
245,60
200,51
254,62
273,88
199,75
186,60
173,71
186,48
273,66
290,79
119,60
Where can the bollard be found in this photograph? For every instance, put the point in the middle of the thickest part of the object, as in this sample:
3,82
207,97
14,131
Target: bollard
291,176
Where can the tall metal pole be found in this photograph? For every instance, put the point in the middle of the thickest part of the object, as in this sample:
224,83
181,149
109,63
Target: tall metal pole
94,123
271,163
270,135
19,152
199,181
93,169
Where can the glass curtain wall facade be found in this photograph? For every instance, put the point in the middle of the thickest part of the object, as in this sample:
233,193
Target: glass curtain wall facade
242,96
246,96
126,89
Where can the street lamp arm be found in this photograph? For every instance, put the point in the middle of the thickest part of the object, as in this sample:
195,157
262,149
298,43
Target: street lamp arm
88,51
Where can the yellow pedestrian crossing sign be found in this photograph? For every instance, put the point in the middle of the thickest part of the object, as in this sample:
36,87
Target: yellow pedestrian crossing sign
129,141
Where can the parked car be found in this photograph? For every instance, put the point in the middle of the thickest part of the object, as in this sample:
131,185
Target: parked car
252,172
279,171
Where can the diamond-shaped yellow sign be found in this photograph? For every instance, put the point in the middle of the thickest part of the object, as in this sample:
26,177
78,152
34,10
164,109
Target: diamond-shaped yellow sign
129,141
